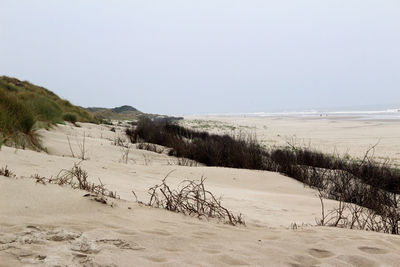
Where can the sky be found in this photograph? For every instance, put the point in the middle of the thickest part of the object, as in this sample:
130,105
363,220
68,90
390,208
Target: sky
206,56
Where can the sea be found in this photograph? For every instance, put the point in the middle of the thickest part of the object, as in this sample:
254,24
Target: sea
389,113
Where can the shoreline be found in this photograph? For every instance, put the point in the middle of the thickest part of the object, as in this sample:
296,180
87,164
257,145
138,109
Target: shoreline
376,118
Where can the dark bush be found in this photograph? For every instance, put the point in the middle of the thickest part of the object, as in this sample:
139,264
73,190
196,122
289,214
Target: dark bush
213,150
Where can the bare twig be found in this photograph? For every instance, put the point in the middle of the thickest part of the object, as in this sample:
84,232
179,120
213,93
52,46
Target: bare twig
70,147
191,198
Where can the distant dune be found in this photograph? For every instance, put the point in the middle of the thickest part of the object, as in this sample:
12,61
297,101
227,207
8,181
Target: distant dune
119,113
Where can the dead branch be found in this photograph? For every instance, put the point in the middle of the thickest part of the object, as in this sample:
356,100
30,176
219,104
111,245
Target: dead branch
191,198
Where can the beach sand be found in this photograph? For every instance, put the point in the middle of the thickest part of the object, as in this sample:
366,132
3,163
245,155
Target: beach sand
51,225
335,135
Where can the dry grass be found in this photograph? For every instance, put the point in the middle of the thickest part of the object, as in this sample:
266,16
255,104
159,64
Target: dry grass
4,171
191,198
186,162
125,153
118,141
150,147
81,146
352,216
125,148
77,178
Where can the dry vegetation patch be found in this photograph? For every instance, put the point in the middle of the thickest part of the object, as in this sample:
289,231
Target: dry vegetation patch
76,178
191,198
4,171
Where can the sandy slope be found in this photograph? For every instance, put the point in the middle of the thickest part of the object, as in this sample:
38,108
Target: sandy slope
56,226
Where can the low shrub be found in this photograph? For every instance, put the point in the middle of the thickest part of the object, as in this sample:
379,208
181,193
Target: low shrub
238,151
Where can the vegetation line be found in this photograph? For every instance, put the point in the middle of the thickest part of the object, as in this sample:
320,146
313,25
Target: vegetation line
367,183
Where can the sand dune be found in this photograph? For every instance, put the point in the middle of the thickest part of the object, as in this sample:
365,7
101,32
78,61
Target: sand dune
51,225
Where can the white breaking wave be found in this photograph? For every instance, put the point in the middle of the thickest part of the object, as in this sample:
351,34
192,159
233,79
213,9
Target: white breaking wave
381,114
392,113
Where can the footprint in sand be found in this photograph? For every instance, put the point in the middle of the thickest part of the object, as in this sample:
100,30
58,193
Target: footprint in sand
26,256
320,253
82,259
7,238
84,246
373,250
61,235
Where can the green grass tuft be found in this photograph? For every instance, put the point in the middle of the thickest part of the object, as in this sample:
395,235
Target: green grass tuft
70,117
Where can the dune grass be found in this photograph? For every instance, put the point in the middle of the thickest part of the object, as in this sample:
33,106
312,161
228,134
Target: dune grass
17,122
25,107
71,117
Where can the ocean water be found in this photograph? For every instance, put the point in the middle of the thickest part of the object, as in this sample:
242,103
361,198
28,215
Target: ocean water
384,114
357,113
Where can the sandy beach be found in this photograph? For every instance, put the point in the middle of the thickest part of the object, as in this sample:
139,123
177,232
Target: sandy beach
199,133
335,135
51,225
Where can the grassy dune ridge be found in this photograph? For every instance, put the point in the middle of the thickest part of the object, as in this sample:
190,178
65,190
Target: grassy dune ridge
119,113
25,107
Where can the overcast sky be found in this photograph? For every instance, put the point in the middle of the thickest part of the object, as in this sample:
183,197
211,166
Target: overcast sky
184,57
